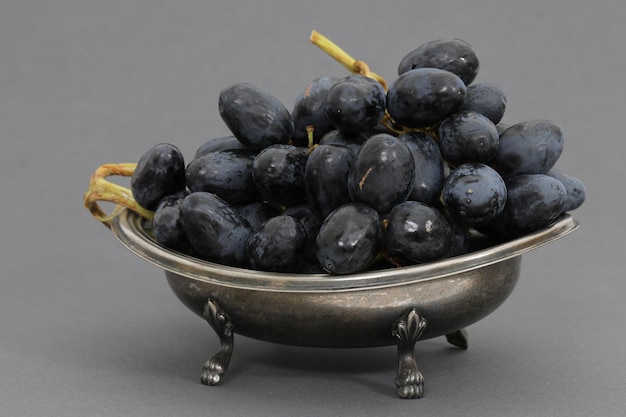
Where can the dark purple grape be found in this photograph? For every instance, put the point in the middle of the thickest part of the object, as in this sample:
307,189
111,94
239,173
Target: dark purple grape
278,172
349,239
215,229
530,147
228,174
159,172
166,224
383,173
257,213
312,221
534,201
429,166
255,117
460,238
352,141
277,245
474,194
574,188
487,99
308,110
425,96
327,171
418,232
355,103
454,55
468,136
219,144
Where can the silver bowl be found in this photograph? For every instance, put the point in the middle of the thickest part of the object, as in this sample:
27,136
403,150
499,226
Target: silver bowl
397,306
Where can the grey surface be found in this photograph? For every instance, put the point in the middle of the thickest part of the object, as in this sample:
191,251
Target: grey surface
86,328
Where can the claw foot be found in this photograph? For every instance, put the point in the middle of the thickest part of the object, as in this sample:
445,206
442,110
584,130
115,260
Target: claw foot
214,369
458,338
407,331
410,383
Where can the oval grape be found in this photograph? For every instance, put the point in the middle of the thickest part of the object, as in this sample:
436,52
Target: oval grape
454,55
278,172
474,194
159,172
226,173
424,96
418,233
308,110
467,136
276,246
355,103
533,202
530,147
487,99
349,239
326,174
383,173
255,117
216,230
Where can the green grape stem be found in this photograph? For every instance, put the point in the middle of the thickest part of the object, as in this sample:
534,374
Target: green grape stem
310,129
359,67
341,56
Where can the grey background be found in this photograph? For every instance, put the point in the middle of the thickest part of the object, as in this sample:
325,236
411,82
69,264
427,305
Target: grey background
87,328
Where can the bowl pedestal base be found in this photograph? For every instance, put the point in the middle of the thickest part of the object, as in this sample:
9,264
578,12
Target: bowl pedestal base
406,331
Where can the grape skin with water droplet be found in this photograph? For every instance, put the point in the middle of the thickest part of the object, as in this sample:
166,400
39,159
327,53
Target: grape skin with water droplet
355,103
474,194
418,233
349,239
276,245
454,55
278,172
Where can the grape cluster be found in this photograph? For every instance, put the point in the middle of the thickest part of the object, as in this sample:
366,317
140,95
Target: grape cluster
359,175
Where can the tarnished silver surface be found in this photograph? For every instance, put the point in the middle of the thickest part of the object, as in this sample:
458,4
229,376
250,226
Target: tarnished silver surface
354,310
360,310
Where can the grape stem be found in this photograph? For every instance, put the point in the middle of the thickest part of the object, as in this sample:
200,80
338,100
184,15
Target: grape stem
351,64
359,67
311,142
102,190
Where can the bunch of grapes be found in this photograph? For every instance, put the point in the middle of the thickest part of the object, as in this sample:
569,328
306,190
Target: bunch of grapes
359,174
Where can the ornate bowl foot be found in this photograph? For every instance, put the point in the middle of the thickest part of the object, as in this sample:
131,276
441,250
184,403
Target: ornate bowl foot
407,331
458,338
213,369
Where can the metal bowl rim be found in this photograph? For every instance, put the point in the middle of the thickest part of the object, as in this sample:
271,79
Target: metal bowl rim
128,228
